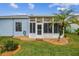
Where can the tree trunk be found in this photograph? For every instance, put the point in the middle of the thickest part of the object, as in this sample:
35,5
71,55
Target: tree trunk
60,28
61,31
59,38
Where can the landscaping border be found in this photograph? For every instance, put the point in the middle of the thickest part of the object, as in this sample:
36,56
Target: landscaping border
63,41
10,53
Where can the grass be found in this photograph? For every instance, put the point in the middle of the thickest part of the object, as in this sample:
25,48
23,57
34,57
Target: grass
41,48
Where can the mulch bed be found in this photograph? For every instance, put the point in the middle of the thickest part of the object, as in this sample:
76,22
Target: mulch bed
62,41
10,53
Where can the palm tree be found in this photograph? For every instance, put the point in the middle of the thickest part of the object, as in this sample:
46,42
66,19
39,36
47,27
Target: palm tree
65,19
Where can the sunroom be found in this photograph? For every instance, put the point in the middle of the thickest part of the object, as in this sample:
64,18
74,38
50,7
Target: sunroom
43,27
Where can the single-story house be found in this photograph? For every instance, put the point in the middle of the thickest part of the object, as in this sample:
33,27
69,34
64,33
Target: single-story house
31,26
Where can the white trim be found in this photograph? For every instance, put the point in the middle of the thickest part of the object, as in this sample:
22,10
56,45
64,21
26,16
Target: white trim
43,35
39,36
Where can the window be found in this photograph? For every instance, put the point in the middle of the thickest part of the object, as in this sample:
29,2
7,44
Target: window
32,19
39,29
32,27
18,26
39,20
47,19
47,28
56,28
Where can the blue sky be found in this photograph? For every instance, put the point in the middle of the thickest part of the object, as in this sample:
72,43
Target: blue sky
34,8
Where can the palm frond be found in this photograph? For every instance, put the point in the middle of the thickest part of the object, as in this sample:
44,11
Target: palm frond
74,20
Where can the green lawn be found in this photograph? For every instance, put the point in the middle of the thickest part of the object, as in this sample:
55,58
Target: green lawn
40,48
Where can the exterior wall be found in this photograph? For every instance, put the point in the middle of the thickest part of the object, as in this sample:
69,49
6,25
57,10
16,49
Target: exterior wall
6,27
51,35
74,27
46,35
25,27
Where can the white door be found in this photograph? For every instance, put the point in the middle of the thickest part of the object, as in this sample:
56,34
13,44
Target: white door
39,30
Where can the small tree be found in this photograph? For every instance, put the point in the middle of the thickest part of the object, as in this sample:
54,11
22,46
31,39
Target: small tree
65,19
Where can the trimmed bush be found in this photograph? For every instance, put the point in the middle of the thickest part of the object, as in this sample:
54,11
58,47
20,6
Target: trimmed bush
10,45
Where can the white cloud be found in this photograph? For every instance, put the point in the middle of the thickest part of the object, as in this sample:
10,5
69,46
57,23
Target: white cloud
31,6
59,8
14,5
62,6
52,5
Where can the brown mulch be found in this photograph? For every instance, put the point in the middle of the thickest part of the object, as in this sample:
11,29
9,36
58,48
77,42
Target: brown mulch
62,41
10,53
23,38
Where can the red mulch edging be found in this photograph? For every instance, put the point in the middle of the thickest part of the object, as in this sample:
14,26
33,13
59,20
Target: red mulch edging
10,53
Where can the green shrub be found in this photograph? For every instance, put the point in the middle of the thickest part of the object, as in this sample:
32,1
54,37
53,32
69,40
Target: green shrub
77,31
10,45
